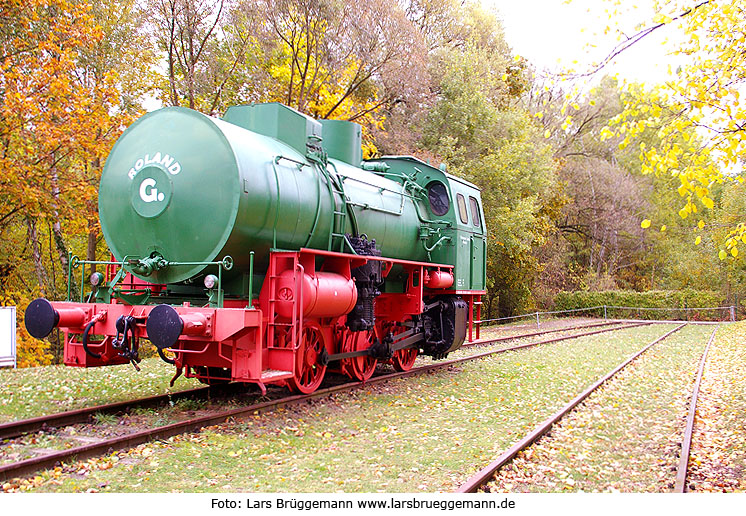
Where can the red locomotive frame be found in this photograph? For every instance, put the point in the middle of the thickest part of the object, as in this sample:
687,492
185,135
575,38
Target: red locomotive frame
290,336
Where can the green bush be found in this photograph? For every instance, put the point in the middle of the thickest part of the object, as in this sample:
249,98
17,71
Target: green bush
674,301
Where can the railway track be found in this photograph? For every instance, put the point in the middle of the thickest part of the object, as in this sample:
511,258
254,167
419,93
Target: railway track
486,474
506,338
85,415
686,443
31,465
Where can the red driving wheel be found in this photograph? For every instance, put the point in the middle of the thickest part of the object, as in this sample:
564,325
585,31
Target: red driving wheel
403,359
308,373
362,368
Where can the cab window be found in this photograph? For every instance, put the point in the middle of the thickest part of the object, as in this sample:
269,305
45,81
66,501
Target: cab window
462,214
437,194
474,205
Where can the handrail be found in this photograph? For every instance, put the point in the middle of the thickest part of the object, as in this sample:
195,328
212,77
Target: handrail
126,266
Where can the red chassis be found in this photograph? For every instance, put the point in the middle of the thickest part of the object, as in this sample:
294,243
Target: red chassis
284,338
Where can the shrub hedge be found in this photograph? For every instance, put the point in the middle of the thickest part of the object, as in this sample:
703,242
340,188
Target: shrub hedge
674,301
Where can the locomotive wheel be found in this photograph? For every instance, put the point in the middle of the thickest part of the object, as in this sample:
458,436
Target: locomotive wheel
308,372
403,359
362,368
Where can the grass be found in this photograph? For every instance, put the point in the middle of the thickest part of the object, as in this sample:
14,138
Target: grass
475,350
188,404
37,391
105,419
424,434
529,325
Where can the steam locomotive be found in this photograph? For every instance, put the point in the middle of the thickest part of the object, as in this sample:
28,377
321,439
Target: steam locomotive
261,248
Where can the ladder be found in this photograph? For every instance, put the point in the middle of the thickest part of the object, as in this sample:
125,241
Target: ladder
340,207
339,218
279,262
289,261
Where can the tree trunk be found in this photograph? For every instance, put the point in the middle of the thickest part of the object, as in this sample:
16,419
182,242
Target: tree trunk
59,239
171,52
92,239
56,223
42,277
91,206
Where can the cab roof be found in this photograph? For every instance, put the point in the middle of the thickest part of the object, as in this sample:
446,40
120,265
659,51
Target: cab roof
419,162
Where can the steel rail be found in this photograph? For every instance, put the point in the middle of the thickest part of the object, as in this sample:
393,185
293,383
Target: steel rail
564,337
34,464
84,415
675,321
473,484
14,429
686,443
526,335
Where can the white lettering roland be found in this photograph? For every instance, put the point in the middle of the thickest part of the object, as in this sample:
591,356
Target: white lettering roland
166,161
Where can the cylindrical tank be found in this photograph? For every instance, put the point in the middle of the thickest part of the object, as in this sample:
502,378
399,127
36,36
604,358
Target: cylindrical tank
194,189
325,294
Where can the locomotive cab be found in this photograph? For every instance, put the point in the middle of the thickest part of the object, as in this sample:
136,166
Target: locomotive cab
452,219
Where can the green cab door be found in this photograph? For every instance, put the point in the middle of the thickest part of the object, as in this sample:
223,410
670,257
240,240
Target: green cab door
478,253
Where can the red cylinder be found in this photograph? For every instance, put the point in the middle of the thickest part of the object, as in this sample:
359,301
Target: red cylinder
439,279
325,294
71,317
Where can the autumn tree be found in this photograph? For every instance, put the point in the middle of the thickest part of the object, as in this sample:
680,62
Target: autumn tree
41,107
184,30
703,98
342,60
452,31
116,75
61,108
478,125
331,59
599,232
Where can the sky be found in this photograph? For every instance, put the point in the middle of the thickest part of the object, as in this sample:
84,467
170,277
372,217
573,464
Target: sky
553,33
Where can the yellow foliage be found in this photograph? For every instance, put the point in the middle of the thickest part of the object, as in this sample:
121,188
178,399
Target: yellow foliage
699,116
322,92
49,110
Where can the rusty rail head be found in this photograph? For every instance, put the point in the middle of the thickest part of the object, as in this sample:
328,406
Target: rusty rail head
686,443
